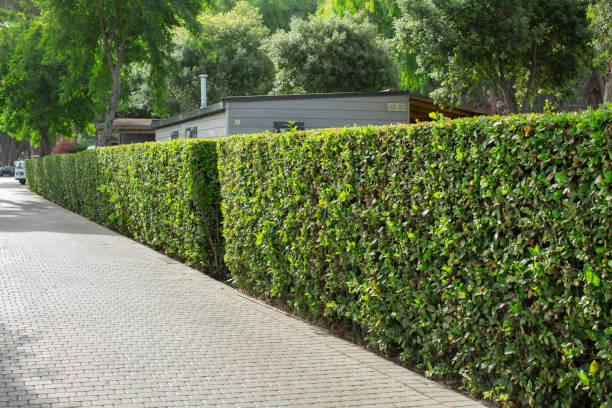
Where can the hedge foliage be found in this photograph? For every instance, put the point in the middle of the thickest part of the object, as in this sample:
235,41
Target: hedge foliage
480,248
165,195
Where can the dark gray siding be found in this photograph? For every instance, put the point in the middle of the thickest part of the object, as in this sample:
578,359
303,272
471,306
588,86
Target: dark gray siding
315,113
129,138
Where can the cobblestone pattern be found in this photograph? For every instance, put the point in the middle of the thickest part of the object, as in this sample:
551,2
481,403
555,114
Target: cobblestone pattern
91,318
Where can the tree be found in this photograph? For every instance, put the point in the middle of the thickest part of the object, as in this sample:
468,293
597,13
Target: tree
383,14
521,48
276,13
600,16
105,36
138,98
331,54
228,50
9,8
33,104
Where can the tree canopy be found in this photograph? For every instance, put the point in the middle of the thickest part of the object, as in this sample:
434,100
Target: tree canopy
34,105
331,54
276,13
64,62
383,14
105,36
228,50
522,48
600,15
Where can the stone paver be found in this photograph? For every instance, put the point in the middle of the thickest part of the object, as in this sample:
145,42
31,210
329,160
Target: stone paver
91,318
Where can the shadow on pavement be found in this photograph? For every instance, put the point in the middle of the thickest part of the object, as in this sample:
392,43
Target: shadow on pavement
23,211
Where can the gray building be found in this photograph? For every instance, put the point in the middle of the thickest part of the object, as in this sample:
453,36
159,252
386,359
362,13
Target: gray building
276,113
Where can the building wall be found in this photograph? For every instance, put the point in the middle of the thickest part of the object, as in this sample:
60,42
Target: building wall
129,138
208,127
259,115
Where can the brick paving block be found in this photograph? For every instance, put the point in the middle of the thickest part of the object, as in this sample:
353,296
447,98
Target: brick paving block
92,318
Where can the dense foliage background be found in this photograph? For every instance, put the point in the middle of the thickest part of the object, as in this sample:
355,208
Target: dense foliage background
229,51
536,49
331,54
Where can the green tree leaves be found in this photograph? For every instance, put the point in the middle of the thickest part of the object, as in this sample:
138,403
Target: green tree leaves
331,54
105,36
521,48
600,16
228,50
34,105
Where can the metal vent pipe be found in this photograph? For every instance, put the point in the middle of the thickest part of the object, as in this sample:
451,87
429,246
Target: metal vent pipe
203,90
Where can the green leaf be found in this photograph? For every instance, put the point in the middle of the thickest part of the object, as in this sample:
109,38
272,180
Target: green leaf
583,377
591,334
561,177
591,276
459,155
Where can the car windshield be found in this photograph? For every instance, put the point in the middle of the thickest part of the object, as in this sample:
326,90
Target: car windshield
20,165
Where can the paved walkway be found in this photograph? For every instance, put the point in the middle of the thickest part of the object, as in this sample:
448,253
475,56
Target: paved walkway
91,318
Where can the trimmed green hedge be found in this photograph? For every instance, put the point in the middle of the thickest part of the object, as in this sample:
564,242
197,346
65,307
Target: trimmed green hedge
480,249
165,195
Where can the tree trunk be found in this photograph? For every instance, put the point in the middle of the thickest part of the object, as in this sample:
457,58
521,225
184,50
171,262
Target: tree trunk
509,97
111,109
13,151
608,76
45,143
507,88
532,76
602,85
5,145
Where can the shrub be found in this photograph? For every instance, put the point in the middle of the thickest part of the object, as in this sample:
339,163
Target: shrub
479,249
65,146
165,195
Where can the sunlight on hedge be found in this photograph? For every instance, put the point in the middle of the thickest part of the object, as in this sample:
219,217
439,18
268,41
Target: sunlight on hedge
479,249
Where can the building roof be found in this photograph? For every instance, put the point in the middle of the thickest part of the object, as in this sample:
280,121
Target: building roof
184,117
130,123
388,92
311,96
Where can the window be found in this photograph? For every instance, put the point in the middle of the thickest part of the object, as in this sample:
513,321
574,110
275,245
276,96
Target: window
191,133
174,135
282,127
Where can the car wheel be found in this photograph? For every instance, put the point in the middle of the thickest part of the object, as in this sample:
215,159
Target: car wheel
22,181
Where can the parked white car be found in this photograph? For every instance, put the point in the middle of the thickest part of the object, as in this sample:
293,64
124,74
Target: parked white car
20,175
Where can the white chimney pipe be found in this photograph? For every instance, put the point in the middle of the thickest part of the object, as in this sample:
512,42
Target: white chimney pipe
203,90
